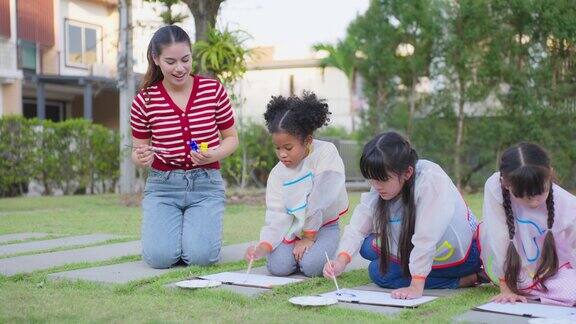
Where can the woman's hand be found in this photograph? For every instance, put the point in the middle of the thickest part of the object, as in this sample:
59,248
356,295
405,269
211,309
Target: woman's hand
506,295
334,268
415,290
509,297
300,247
202,158
143,155
255,252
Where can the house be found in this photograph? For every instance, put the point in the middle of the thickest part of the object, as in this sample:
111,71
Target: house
58,59
266,77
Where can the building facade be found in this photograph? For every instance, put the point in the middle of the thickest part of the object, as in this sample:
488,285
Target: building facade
59,59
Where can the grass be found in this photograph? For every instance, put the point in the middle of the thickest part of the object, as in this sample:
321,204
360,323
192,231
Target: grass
33,298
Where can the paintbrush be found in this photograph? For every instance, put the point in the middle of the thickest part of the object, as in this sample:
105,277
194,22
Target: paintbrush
249,267
151,148
334,276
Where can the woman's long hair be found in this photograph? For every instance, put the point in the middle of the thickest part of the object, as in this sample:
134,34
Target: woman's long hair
391,153
525,168
164,36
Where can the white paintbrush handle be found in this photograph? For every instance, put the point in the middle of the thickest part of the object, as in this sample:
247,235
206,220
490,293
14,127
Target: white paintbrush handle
334,275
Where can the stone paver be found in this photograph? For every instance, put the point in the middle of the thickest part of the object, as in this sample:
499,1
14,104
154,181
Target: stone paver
427,292
385,310
115,273
31,263
389,310
357,263
20,236
477,317
55,243
138,270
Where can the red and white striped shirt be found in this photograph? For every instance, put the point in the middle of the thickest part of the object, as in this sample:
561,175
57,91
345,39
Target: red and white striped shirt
155,116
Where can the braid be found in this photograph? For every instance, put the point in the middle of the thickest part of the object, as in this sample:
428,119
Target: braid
408,224
550,208
512,263
509,215
549,262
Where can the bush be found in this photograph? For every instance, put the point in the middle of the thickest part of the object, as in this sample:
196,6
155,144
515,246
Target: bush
72,156
254,158
486,137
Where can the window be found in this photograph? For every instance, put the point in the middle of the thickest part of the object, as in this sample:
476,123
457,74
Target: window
55,110
82,46
27,55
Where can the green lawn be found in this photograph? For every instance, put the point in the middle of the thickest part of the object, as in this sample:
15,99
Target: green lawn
32,298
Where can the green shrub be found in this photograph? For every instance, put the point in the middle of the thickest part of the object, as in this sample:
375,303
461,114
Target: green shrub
72,156
254,158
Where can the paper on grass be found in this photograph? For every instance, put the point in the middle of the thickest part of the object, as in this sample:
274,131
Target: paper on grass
376,298
531,310
254,280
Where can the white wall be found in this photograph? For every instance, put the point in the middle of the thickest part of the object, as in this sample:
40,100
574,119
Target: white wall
95,14
258,86
146,20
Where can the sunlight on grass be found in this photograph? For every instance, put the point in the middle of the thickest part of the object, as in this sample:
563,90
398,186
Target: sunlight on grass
32,297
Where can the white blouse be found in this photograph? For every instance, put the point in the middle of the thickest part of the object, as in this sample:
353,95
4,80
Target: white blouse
300,200
444,229
530,230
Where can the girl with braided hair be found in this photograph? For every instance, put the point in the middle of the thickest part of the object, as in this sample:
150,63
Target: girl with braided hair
529,231
305,192
413,225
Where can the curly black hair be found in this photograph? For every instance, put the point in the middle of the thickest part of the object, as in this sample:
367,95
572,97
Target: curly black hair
297,116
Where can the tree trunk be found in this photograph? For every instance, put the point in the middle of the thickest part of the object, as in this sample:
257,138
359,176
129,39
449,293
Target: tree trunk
459,135
205,13
244,172
411,106
352,94
374,119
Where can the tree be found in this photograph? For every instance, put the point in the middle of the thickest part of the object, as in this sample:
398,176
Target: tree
468,57
376,38
223,54
343,56
397,39
168,16
418,28
204,12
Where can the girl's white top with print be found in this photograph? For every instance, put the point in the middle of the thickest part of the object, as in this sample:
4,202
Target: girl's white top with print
444,230
530,225
301,200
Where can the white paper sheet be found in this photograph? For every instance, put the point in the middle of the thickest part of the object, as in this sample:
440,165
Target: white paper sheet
531,310
376,298
254,280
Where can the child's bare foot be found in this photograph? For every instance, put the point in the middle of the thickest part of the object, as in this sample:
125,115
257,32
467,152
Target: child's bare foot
469,281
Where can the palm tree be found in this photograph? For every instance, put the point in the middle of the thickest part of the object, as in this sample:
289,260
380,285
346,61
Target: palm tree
343,56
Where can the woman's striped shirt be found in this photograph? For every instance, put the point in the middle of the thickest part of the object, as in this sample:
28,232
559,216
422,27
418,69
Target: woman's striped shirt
156,117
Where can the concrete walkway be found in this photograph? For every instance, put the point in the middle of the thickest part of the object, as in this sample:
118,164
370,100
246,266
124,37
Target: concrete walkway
132,271
138,270
31,263
20,237
55,243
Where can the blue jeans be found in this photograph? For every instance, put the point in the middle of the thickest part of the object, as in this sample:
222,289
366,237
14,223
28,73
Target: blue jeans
437,279
281,261
182,219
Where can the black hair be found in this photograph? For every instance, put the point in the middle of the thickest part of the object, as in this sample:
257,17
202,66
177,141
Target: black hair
526,169
391,153
297,116
164,36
